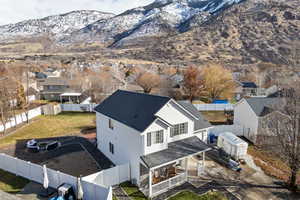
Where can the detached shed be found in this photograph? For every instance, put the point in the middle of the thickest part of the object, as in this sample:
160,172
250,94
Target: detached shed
233,145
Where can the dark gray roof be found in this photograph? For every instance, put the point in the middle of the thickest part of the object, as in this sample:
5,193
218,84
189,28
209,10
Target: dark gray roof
261,105
55,81
199,124
249,85
136,110
175,151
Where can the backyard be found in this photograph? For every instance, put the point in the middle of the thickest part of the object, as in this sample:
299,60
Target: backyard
217,117
51,126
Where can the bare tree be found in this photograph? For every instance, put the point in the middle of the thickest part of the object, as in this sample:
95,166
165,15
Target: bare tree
193,83
5,101
283,130
148,81
218,82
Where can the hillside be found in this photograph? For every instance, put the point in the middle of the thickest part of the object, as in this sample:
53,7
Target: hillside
242,36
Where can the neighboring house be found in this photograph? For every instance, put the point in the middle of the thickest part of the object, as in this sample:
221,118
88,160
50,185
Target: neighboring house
31,94
250,112
246,89
52,87
154,134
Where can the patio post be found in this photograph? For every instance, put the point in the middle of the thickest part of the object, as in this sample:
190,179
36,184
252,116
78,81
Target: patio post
186,168
203,160
150,183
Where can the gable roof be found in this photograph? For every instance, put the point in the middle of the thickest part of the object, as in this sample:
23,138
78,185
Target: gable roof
249,85
261,105
136,110
201,123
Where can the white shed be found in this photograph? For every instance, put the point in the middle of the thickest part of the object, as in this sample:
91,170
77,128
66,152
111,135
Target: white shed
233,145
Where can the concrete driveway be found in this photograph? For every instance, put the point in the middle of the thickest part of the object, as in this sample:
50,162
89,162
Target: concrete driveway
250,184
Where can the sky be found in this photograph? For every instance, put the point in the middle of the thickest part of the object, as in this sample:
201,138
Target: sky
12,11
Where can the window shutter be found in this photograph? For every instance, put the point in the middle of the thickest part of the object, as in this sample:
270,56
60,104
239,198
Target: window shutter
185,127
148,139
162,136
171,131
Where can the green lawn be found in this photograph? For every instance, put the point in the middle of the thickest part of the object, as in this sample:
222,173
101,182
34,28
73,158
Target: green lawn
51,126
187,195
11,183
132,191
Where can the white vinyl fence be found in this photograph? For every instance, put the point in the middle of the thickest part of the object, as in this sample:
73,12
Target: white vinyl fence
214,107
110,177
14,121
235,129
78,107
34,173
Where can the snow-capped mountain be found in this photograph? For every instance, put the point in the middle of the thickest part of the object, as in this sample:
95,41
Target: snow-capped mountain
56,25
160,17
156,19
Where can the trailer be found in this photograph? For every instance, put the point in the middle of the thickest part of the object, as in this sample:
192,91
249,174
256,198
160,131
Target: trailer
233,145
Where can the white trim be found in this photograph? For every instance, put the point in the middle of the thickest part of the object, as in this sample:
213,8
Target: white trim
195,117
167,163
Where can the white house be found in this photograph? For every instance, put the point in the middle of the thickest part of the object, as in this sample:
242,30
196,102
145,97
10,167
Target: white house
249,113
155,134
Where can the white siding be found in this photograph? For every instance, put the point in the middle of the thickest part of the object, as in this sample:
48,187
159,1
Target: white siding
244,116
173,116
155,147
128,144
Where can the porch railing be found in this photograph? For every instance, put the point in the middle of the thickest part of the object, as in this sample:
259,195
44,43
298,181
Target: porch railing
168,184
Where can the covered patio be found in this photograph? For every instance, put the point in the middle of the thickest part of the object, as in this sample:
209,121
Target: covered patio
70,97
168,168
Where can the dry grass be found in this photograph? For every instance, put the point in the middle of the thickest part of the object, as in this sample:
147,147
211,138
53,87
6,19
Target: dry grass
215,116
51,126
270,163
11,183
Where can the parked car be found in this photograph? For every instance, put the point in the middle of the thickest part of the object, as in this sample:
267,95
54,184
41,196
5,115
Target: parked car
223,158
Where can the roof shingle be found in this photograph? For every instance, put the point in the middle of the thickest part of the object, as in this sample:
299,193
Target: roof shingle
261,105
136,110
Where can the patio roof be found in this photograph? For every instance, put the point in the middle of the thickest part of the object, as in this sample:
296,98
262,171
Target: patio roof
71,94
175,151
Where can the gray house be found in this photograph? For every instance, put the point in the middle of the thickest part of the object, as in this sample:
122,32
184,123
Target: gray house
250,113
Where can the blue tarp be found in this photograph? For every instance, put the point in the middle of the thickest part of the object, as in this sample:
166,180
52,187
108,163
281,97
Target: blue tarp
57,198
220,102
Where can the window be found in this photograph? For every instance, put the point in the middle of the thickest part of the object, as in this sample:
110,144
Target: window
156,137
110,124
179,129
111,148
159,137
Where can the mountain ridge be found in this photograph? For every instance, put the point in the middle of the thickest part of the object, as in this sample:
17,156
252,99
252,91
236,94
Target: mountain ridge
54,25
158,18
